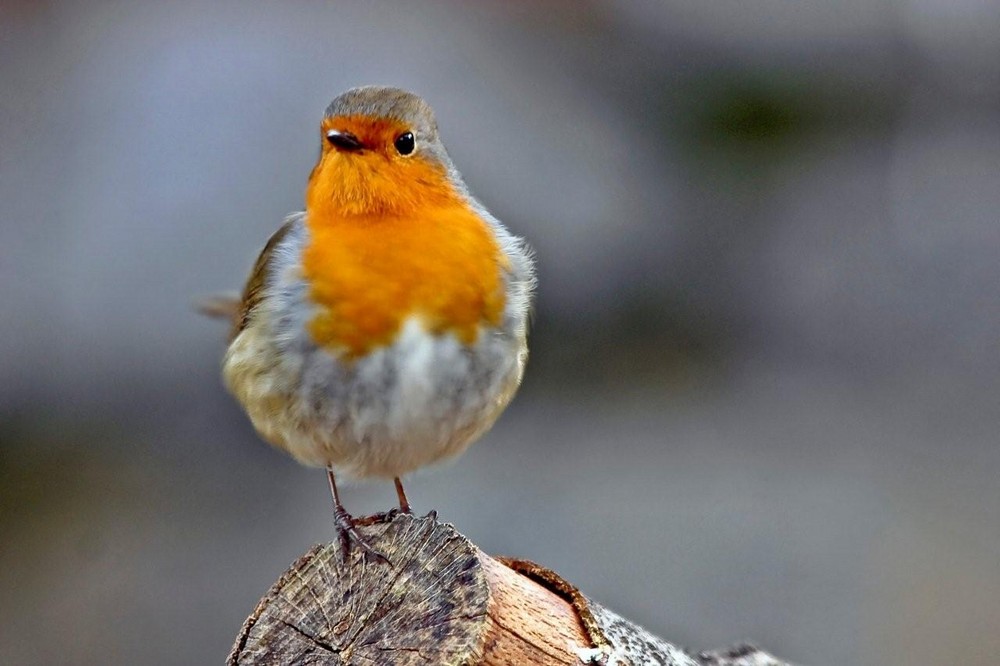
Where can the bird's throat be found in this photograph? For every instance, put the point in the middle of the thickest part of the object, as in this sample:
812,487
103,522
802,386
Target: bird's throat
371,183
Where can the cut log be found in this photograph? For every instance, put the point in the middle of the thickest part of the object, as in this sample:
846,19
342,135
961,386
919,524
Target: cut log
441,600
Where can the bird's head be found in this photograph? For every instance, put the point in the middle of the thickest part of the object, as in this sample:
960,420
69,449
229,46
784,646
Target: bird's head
380,155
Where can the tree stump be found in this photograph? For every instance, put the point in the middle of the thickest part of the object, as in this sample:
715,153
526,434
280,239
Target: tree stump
441,600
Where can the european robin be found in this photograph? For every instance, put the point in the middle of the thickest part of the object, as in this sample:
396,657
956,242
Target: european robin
384,327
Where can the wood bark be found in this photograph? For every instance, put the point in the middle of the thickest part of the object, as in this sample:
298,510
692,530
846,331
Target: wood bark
441,600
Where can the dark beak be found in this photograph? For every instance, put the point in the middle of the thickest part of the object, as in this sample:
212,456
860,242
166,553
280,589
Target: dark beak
344,140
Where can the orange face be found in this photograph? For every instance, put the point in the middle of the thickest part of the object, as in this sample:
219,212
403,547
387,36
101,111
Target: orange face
375,178
392,238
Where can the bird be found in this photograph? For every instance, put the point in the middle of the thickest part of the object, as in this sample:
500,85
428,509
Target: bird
384,327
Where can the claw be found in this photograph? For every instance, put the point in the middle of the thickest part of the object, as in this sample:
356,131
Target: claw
381,517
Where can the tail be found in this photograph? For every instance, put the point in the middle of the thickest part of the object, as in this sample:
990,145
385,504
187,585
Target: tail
225,306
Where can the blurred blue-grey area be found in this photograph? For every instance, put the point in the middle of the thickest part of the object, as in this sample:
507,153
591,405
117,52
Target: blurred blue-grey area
764,394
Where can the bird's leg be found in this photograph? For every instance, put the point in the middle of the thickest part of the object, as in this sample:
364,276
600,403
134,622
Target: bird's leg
404,504
345,524
387,516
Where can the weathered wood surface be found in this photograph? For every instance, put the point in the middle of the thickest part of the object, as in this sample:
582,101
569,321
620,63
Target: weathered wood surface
443,601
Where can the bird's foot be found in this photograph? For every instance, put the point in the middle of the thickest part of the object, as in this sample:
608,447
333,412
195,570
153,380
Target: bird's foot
348,533
388,516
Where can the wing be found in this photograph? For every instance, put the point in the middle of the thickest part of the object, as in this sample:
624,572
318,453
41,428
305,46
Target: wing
253,291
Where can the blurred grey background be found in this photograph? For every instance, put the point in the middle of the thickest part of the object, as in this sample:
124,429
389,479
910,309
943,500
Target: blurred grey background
763,396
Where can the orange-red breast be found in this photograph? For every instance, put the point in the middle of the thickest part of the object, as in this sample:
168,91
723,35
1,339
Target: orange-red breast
383,328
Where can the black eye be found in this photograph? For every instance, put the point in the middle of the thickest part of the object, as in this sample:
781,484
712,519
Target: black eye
405,143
